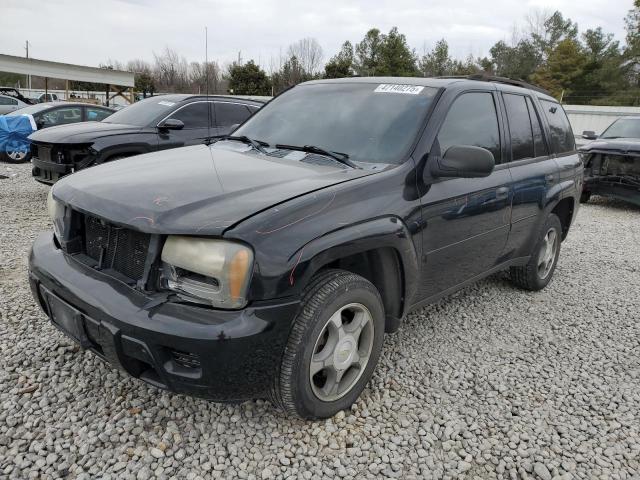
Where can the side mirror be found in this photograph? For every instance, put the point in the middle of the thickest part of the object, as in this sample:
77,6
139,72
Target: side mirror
464,161
589,135
171,124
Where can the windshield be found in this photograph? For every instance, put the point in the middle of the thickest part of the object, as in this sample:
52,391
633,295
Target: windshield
144,112
30,110
369,122
623,128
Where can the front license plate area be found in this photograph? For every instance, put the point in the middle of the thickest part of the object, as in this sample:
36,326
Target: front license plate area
66,318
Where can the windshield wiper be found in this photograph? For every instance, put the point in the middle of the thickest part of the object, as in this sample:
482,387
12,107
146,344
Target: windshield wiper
337,156
257,144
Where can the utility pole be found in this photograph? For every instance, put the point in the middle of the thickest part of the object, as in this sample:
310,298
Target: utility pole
26,47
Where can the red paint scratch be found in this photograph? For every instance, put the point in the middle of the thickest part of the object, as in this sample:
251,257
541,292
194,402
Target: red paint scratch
150,220
324,207
159,201
291,279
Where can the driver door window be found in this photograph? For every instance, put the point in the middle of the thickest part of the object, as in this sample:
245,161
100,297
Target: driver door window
472,120
194,115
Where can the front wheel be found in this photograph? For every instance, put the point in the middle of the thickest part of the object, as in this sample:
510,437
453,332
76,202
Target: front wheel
536,274
333,347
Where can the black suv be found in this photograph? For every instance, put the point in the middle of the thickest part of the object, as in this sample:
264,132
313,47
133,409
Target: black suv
271,263
157,123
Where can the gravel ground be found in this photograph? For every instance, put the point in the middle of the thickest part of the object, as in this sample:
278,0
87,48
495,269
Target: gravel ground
490,383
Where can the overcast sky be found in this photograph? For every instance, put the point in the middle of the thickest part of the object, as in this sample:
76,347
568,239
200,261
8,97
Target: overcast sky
90,32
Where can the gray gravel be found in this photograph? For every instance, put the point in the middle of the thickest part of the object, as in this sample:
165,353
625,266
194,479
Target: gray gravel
490,383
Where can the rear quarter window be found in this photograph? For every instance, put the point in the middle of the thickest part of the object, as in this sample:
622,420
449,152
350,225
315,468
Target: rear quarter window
562,139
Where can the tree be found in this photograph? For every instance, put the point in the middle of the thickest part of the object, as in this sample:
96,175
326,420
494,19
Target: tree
396,58
555,29
290,74
341,64
171,71
380,54
201,73
368,53
519,61
308,53
248,79
437,62
564,66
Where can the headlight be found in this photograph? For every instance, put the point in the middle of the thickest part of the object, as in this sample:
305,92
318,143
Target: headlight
56,214
207,270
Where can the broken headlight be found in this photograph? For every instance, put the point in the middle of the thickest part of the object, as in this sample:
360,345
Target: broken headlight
56,214
205,270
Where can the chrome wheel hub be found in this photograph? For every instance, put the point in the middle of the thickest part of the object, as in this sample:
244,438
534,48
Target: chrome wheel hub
341,352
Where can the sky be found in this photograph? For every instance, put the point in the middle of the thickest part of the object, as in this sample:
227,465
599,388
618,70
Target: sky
90,32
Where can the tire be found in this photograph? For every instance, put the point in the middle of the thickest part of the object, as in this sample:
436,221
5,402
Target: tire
16,157
585,196
348,299
536,274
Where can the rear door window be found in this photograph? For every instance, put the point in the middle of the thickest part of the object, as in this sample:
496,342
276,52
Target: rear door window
472,120
562,139
97,114
228,114
519,127
538,137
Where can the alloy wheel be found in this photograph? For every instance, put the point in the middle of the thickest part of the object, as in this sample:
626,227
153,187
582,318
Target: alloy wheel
341,352
547,255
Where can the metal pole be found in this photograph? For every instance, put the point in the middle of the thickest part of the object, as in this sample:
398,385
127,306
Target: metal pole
28,76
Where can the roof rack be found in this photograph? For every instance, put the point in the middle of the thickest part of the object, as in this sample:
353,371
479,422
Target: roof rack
483,77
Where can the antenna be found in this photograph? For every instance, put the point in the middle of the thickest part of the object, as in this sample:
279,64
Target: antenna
206,76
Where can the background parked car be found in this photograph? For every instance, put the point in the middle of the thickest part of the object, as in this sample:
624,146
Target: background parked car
46,97
51,114
157,123
612,161
9,104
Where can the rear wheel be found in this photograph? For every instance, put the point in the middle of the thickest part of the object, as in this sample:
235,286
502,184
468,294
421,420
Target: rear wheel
536,274
333,347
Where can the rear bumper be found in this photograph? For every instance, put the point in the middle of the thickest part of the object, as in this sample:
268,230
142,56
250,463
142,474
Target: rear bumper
220,355
627,192
49,172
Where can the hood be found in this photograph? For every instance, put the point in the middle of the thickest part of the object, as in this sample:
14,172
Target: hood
83,132
616,145
197,190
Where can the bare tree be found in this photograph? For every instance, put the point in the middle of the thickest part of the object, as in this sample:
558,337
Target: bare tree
171,71
201,73
308,52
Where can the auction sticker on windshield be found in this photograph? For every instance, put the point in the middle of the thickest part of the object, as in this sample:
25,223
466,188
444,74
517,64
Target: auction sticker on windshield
391,88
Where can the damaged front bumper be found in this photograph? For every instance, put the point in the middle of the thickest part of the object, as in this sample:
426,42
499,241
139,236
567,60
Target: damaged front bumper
215,354
612,174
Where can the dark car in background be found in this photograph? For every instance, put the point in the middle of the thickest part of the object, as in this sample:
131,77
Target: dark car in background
612,162
157,123
271,263
46,115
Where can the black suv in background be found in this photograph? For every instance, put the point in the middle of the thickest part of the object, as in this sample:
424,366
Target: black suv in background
271,263
157,123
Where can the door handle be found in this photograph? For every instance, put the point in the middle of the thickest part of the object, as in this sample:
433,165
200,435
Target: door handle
502,192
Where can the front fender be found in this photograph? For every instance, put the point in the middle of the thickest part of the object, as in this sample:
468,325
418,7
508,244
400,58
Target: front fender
378,233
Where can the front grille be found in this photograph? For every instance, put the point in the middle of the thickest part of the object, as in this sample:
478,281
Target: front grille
44,153
186,359
116,248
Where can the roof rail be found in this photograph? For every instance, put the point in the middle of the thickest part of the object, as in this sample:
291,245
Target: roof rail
483,77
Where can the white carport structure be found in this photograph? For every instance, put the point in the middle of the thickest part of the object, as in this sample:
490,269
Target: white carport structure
118,82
